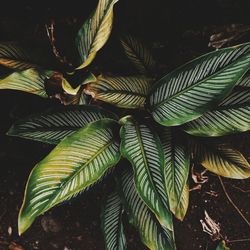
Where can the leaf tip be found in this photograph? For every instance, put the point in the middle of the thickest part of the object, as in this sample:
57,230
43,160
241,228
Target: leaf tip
23,223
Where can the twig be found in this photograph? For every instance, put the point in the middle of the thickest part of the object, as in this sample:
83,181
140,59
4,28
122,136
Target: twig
240,189
233,204
240,240
50,29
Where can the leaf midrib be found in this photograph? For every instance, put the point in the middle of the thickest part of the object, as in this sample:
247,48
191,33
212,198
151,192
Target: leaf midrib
153,108
88,52
62,185
137,55
146,162
124,92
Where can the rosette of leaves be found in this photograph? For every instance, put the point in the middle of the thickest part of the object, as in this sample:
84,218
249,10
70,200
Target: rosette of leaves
170,119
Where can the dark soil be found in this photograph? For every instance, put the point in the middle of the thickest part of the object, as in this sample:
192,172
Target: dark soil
179,32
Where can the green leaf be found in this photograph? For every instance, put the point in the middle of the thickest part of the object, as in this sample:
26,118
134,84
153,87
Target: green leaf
176,172
138,54
196,87
19,57
151,232
54,125
124,92
75,164
142,147
30,80
231,116
222,246
221,159
245,81
112,225
66,86
95,32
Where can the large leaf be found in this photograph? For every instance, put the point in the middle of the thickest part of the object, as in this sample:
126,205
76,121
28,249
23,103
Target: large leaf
138,54
95,32
176,172
221,159
54,125
75,164
124,92
245,81
196,87
231,116
30,80
142,147
16,56
112,225
151,232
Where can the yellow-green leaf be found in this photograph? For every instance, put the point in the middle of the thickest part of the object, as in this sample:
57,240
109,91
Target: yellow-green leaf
30,80
176,171
222,246
124,92
77,162
21,57
95,32
221,159
138,54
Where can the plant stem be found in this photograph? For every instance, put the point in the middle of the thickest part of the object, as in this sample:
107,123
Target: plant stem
233,204
235,241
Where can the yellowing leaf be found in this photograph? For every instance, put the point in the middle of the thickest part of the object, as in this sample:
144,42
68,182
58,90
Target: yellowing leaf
30,80
95,32
221,159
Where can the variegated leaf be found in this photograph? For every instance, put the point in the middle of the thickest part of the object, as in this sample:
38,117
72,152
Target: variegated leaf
95,32
176,172
221,159
124,92
196,87
112,224
138,54
231,116
54,125
75,164
142,147
30,81
151,232
245,81
15,56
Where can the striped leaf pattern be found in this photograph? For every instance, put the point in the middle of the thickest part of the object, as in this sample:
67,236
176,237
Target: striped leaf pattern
138,54
176,172
231,116
221,159
14,56
95,32
124,92
112,225
151,233
21,56
194,88
74,165
30,81
245,81
54,125
142,147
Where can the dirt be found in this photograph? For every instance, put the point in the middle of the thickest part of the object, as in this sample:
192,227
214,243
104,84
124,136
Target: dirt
179,31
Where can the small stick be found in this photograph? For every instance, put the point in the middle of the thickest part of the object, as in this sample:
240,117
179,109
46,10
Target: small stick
233,204
239,240
50,29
